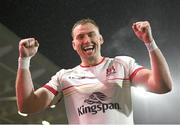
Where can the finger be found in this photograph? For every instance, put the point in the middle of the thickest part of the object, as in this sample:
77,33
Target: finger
29,42
134,27
137,26
145,27
23,43
141,26
36,43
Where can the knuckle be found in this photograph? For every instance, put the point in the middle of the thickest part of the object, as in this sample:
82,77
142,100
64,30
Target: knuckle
22,42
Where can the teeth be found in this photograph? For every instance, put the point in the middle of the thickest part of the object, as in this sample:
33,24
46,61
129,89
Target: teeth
88,47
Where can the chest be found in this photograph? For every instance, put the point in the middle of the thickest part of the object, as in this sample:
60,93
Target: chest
101,77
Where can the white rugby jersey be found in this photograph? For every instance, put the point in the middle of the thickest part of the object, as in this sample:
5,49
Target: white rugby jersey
98,94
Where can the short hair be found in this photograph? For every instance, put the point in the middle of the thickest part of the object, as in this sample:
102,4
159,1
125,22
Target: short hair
84,21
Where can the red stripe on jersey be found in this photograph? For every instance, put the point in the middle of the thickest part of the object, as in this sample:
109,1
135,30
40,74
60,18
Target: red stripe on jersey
135,72
67,88
73,86
51,89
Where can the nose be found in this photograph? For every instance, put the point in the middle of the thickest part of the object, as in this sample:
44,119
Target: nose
87,39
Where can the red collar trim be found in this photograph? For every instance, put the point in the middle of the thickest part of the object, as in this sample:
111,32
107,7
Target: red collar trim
93,65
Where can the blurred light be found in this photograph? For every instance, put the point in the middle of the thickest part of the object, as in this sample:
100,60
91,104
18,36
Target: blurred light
52,106
22,114
140,91
45,123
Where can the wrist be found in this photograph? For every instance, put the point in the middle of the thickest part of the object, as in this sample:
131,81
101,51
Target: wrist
24,62
151,46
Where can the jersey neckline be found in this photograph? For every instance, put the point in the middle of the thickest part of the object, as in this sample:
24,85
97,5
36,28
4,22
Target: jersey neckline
92,65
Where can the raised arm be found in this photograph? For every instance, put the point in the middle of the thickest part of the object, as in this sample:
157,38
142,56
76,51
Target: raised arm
158,78
28,100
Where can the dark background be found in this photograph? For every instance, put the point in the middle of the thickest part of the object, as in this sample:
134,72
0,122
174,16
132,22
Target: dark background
50,22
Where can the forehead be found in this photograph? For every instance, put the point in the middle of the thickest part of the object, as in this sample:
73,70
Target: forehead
84,28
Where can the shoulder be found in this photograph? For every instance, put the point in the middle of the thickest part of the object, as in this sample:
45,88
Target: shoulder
61,72
65,71
124,59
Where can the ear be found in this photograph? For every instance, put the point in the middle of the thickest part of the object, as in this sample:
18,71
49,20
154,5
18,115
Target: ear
73,45
101,39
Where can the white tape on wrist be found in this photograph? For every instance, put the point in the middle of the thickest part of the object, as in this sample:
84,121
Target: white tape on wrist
24,62
151,46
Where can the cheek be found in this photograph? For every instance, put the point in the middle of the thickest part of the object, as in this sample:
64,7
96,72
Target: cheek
77,47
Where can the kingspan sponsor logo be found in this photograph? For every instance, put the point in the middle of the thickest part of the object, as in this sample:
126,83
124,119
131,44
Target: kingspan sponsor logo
96,103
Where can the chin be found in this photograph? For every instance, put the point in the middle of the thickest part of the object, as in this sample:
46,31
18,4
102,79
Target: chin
90,57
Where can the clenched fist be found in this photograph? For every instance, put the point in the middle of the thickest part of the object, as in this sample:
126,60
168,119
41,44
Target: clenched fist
28,47
142,30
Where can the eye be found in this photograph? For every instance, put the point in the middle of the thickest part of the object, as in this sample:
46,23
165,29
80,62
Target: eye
91,34
80,36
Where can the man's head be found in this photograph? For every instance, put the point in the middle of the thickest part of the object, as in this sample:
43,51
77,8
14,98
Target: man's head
84,21
87,39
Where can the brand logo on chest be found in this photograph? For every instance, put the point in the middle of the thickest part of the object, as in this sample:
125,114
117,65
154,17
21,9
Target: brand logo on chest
97,103
110,70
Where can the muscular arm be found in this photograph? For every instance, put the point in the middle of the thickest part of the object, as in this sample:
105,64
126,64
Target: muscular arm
28,100
158,79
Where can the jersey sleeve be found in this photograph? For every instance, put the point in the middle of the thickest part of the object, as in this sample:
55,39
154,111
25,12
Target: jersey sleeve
131,66
134,67
54,86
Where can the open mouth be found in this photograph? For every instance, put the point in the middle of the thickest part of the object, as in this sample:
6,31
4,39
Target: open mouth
89,48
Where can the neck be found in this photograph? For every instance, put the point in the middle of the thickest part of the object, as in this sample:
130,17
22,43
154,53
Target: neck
91,61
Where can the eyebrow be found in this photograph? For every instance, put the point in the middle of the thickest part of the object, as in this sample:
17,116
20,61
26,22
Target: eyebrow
87,33
92,32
